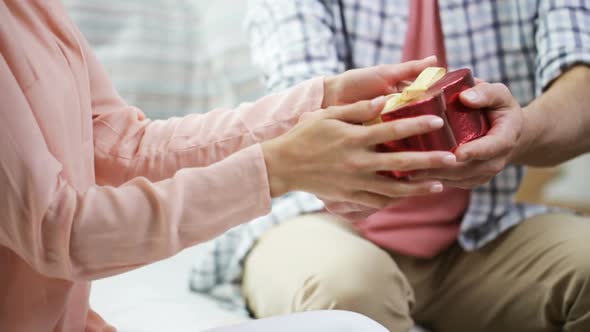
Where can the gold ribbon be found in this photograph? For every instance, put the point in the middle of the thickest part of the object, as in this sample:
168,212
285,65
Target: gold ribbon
423,82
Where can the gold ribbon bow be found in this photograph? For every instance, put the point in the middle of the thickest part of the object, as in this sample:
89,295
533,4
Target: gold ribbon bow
423,82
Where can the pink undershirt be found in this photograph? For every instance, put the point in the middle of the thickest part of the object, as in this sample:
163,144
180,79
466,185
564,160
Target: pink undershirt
427,225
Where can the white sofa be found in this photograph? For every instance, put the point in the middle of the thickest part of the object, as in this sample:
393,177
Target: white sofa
156,298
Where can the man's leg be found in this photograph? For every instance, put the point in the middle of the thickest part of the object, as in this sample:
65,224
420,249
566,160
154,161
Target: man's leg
317,262
535,277
313,321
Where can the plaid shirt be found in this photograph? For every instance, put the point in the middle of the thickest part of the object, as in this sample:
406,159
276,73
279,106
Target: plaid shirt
525,44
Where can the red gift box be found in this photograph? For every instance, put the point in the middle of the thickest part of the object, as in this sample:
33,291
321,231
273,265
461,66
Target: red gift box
462,124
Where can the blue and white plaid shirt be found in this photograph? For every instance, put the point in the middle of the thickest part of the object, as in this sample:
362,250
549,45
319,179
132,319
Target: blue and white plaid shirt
525,44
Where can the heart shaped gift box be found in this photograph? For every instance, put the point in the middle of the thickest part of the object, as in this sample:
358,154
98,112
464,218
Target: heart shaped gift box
434,92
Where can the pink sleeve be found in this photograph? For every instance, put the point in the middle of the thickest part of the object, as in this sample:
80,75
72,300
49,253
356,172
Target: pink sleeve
128,145
156,209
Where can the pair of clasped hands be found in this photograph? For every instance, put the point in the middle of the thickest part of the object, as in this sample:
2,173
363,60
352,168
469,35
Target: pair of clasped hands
329,154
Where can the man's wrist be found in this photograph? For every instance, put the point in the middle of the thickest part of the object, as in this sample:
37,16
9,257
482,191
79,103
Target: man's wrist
531,135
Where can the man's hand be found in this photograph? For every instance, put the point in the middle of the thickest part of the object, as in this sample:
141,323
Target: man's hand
480,160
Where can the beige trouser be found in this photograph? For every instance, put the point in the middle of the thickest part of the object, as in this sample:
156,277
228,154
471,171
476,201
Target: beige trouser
535,277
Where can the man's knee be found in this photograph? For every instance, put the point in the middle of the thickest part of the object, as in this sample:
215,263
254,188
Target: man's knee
571,286
380,294
563,243
579,259
576,265
361,284
572,250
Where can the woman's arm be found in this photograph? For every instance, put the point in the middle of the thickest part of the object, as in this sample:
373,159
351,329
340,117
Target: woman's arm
70,234
134,146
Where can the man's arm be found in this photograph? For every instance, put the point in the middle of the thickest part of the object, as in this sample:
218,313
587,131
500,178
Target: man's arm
557,124
550,129
293,40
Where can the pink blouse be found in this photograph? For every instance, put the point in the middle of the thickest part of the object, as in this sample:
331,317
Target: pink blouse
90,188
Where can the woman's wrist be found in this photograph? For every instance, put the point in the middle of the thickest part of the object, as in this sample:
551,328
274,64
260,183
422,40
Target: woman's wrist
278,179
329,92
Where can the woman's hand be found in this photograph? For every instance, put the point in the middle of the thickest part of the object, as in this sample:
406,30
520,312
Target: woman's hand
352,212
480,160
327,155
371,82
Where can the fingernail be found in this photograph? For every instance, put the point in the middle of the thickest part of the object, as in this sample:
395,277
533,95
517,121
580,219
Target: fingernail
436,188
450,159
471,95
436,122
430,58
377,103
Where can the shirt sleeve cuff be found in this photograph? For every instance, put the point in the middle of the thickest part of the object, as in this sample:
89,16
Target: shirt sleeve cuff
556,63
246,169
